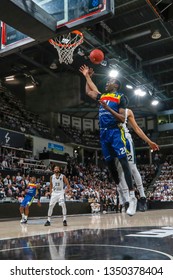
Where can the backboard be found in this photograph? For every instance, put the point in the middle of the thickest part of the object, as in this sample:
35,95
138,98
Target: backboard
64,15
10,37
74,13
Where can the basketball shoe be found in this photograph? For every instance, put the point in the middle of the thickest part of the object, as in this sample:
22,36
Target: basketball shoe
142,204
23,221
47,223
132,206
65,223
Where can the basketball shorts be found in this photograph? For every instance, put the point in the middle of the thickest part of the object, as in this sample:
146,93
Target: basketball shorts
28,200
130,150
113,143
57,197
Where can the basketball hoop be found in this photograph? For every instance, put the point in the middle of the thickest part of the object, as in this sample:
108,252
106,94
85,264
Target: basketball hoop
66,44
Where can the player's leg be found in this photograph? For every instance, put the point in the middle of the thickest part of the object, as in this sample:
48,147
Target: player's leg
135,173
132,163
22,212
26,213
109,157
30,201
52,203
138,181
23,206
119,145
127,174
124,196
64,208
122,186
137,178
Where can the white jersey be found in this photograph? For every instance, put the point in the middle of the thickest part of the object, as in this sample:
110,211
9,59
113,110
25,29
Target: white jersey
57,183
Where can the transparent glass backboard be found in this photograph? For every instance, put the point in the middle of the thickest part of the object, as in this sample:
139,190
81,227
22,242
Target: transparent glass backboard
10,38
68,15
73,12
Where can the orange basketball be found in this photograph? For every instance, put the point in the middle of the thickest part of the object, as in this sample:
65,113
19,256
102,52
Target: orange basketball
96,56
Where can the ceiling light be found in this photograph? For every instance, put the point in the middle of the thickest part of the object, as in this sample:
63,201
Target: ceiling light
129,86
156,35
104,63
9,78
155,102
28,87
140,92
80,52
113,73
53,66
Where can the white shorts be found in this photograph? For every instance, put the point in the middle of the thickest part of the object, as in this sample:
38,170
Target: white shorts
131,152
57,197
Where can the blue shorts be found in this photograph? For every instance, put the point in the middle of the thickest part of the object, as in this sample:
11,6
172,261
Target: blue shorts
27,201
113,143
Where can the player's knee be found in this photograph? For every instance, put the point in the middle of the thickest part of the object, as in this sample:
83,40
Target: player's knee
62,204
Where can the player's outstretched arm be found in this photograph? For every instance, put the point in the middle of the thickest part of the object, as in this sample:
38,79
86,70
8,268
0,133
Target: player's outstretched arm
87,88
140,132
91,89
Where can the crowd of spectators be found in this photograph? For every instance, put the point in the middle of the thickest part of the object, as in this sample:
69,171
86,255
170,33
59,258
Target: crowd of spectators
87,137
163,186
14,116
89,183
21,161
148,173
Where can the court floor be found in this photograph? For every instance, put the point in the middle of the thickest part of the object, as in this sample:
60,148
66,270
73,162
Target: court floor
115,236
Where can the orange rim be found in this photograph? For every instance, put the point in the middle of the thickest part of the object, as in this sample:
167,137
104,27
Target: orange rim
51,41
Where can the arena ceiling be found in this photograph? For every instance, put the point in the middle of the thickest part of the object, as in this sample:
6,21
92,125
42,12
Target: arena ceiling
137,41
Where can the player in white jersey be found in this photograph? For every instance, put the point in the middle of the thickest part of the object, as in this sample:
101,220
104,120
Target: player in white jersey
122,187
57,183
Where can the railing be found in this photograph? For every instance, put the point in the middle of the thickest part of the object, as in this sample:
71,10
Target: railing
165,140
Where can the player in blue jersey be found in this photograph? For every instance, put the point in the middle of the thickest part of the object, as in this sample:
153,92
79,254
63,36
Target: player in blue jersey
32,190
122,187
112,139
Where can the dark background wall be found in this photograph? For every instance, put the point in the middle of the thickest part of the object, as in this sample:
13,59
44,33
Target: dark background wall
11,210
54,94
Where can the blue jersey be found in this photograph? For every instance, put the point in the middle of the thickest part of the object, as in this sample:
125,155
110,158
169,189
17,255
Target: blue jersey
111,137
31,190
29,197
114,101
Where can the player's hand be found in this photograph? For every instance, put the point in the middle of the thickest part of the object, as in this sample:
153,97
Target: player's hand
39,203
104,104
91,72
84,70
154,146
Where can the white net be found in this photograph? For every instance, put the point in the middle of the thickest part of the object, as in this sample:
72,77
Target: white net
66,44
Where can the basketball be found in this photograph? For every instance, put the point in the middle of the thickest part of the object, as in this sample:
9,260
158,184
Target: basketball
96,56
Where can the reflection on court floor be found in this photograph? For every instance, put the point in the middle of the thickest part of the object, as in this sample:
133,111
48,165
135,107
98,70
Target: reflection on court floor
111,236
